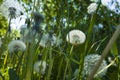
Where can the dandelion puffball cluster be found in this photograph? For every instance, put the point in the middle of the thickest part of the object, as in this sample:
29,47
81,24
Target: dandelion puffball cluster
92,8
89,63
10,5
16,45
40,67
76,37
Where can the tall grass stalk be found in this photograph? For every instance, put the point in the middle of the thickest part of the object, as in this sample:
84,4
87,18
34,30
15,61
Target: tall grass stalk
90,29
59,69
29,66
51,61
118,74
81,63
67,63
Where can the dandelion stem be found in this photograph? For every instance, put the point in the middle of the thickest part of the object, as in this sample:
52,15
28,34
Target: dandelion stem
5,60
67,63
50,64
81,64
59,69
9,29
92,22
29,65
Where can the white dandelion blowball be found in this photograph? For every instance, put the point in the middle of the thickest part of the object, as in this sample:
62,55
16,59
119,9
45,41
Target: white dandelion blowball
89,63
76,37
40,67
113,5
92,8
7,4
16,45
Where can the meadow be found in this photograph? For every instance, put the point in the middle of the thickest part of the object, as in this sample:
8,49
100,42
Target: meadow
59,40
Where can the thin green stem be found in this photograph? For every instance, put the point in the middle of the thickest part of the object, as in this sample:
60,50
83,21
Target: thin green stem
29,65
67,63
89,34
118,68
8,29
51,59
5,60
66,69
81,63
59,69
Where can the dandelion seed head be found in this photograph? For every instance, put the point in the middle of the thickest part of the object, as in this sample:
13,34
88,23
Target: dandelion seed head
113,5
16,45
92,8
11,5
38,18
40,67
89,63
12,12
105,2
76,37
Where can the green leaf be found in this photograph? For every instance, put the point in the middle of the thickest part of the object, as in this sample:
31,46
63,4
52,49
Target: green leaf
114,49
1,2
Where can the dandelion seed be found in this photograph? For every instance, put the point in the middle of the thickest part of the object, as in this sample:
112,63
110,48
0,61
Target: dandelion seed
40,67
16,45
89,63
76,37
11,7
92,8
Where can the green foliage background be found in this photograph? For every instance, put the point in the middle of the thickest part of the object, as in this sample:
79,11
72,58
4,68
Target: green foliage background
75,13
